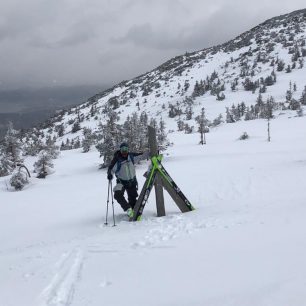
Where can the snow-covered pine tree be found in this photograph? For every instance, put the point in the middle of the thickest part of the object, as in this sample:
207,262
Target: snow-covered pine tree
289,93
220,96
189,102
153,123
235,113
189,112
88,139
244,136
62,147
280,65
143,132
134,131
269,114
174,110
249,114
162,140
300,112
241,109
259,100
110,137
229,116
18,180
217,121
43,165
77,143
130,132
50,147
180,125
32,146
188,129
10,150
60,129
199,89
201,120
303,97
6,165
76,127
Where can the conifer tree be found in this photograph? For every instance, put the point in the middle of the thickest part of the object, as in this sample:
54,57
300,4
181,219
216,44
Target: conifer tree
248,114
300,112
33,146
6,165
153,123
10,151
189,112
110,139
217,121
280,65
201,120
76,127
303,97
289,93
143,131
269,114
229,116
235,113
60,130
188,129
43,165
87,140
180,125
18,180
77,143
161,135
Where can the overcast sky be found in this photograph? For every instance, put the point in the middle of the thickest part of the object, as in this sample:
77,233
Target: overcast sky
73,42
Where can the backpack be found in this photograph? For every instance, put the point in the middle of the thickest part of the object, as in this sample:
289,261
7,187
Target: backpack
120,160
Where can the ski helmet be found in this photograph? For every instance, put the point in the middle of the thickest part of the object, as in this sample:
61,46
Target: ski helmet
124,147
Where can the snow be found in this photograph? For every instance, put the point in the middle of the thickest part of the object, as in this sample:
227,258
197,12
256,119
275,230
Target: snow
243,245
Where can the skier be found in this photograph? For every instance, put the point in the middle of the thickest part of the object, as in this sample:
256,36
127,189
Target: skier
126,177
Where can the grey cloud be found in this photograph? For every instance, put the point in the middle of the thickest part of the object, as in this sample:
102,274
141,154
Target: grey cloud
79,33
144,36
82,42
18,20
222,23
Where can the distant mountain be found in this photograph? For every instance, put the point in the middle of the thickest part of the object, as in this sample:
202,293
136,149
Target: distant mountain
28,107
266,61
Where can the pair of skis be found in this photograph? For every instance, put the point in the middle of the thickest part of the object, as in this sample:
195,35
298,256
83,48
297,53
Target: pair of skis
168,183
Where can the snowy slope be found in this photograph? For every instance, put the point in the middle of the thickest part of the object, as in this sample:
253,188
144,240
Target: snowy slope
253,55
243,245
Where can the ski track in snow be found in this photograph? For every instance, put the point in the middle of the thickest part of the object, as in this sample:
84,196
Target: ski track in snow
60,291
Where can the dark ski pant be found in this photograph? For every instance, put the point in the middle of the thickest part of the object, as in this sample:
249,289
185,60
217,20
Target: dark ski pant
131,190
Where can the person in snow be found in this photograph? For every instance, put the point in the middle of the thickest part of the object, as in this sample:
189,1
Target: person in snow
123,164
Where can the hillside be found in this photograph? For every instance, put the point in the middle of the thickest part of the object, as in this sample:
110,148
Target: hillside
268,59
243,245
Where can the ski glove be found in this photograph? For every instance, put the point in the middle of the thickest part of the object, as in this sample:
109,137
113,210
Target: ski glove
109,176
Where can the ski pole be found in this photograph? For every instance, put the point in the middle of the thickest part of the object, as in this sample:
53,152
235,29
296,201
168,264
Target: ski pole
111,187
109,182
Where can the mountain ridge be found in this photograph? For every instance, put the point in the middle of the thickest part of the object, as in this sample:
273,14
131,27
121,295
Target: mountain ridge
264,59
